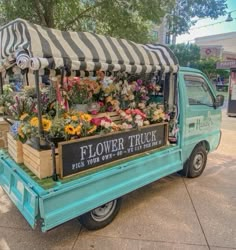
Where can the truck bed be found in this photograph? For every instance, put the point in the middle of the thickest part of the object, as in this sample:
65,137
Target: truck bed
57,202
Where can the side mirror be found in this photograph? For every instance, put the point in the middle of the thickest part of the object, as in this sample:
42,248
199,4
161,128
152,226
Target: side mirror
219,101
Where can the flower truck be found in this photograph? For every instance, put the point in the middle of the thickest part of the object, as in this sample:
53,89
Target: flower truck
111,117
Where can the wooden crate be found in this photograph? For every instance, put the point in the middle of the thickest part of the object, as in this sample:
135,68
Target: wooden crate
114,116
15,148
39,162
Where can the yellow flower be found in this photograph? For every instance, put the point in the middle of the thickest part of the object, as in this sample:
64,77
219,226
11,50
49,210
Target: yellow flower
69,129
46,124
34,122
78,130
22,117
86,117
93,129
108,99
74,118
65,115
20,132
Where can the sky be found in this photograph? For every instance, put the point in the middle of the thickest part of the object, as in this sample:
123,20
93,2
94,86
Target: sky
214,29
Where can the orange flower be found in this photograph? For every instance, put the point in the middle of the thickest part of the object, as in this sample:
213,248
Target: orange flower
78,130
34,122
22,117
86,117
20,132
92,130
74,118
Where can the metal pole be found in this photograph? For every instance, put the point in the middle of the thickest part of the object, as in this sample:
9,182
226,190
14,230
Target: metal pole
1,84
38,103
54,175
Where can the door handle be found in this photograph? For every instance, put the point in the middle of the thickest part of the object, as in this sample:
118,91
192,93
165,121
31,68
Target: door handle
191,125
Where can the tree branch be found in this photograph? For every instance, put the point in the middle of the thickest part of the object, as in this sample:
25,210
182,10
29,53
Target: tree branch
39,12
82,14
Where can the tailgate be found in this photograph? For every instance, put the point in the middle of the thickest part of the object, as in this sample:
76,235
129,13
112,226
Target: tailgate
21,193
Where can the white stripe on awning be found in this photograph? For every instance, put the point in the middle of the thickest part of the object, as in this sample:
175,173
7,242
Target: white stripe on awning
80,50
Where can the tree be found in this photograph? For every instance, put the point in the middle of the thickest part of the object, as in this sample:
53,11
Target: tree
187,54
208,66
187,12
130,19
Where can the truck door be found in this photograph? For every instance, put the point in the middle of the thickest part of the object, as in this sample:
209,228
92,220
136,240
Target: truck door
202,120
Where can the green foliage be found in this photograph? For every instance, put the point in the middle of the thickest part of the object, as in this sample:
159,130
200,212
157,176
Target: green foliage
187,54
208,66
188,11
129,19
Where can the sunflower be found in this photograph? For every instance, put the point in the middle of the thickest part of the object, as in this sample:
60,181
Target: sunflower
22,117
92,130
46,124
69,129
78,130
34,122
86,117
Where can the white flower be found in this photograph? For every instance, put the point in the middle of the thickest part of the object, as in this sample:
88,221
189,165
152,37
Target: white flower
139,123
138,117
107,124
123,114
129,118
125,126
141,105
132,105
131,97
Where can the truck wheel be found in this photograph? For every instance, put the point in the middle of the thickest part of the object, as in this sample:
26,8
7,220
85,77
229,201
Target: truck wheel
196,162
101,216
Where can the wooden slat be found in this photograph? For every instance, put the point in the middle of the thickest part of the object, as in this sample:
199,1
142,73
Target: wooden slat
15,149
39,162
31,150
113,116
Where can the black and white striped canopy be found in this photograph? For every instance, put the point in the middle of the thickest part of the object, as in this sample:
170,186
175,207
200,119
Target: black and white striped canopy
36,47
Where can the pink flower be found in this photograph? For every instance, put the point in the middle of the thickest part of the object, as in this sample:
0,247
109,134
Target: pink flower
94,112
128,111
139,82
96,121
110,108
139,112
101,104
99,120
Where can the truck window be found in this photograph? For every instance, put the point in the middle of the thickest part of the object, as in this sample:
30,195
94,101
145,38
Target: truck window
198,92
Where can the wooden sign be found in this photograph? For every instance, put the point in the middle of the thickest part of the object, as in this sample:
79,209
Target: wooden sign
82,154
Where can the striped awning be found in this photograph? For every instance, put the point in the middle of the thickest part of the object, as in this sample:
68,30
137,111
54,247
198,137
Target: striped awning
36,47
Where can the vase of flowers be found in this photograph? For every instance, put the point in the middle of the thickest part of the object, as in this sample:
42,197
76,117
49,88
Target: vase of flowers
80,93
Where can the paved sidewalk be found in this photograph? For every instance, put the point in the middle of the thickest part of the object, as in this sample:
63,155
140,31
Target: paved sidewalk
172,213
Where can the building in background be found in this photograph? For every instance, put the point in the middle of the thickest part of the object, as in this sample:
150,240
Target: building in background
221,45
161,33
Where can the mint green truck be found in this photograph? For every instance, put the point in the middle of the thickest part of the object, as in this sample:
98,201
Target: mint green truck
95,197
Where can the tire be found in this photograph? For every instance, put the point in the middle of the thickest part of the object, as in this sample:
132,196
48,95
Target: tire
196,163
101,216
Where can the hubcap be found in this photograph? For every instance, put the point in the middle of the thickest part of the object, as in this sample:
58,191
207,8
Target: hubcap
198,162
103,212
